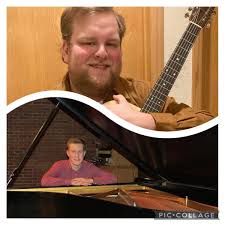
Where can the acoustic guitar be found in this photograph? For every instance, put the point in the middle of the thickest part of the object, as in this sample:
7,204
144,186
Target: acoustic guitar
155,101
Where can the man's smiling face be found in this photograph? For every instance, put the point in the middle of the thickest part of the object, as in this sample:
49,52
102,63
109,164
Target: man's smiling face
94,55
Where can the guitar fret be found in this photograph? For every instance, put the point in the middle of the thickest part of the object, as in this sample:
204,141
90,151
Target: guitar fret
157,94
176,62
163,80
187,41
163,87
148,108
194,35
171,70
183,48
155,99
190,34
169,78
193,32
162,95
155,104
166,83
155,90
180,56
152,108
163,84
184,45
182,52
193,28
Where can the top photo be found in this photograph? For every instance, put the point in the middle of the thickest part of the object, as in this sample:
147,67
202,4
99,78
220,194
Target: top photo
155,67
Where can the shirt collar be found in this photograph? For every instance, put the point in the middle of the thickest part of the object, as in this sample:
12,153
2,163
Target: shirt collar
119,88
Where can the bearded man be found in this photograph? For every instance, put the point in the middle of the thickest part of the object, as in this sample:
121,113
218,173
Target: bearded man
92,39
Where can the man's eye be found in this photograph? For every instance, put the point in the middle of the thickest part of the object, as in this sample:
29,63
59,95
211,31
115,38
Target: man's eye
113,45
89,43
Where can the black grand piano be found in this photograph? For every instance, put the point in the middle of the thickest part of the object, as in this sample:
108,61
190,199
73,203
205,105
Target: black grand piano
178,178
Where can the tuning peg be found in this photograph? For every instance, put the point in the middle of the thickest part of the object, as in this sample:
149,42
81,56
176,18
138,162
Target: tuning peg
208,25
190,8
186,15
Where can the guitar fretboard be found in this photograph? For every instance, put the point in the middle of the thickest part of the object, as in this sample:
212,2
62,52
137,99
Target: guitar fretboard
161,89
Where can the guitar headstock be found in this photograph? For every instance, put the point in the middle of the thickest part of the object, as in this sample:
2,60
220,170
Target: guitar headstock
201,15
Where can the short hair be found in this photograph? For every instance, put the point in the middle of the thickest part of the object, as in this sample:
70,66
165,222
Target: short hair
75,140
71,13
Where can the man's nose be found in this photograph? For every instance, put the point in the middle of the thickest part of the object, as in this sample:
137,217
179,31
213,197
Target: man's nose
76,155
101,52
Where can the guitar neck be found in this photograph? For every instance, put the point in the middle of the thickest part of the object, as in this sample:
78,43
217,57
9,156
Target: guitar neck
169,74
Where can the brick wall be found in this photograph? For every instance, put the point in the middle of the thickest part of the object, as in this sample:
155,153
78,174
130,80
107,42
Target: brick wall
23,124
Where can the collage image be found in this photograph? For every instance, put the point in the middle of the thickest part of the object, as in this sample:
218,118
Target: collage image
112,112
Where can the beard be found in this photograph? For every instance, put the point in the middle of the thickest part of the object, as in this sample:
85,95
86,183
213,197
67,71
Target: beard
94,83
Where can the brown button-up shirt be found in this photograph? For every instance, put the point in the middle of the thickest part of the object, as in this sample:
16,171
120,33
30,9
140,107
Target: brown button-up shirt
174,116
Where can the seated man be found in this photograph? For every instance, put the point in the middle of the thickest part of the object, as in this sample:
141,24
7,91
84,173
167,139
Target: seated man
76,171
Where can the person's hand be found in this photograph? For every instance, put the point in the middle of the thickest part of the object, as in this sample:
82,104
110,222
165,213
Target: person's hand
126,111
82,181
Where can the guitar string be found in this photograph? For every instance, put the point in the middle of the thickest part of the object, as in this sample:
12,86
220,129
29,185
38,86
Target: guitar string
158,91
181,52
157,96
161,97
166,90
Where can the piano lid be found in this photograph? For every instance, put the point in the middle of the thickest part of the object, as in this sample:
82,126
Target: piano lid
192,160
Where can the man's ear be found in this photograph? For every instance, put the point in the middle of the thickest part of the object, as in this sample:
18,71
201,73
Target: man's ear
67,153
65,52
84,153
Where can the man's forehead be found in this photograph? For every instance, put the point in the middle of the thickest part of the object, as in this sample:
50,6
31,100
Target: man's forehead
103,20
75,146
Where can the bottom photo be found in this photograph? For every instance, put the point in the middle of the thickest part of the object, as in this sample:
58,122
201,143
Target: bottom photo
65,159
